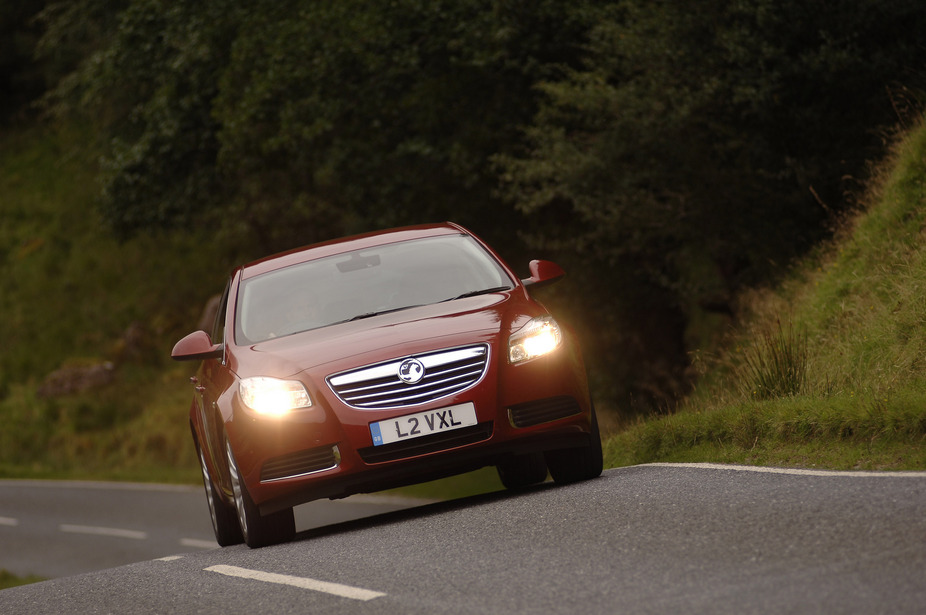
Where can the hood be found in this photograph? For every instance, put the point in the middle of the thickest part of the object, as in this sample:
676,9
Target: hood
384,337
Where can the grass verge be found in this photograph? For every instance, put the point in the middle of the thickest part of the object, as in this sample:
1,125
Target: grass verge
840,433
848,390
8,580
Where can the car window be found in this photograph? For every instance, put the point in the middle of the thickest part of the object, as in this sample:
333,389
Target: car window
363,283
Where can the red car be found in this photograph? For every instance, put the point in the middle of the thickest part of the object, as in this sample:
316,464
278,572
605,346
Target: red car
377,361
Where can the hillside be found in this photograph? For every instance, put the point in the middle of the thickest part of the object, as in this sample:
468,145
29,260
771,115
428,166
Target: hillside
84,311
844,332
828,369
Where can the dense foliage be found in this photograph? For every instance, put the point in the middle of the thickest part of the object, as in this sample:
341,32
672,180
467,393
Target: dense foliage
21,79
308,119
705,144
671,152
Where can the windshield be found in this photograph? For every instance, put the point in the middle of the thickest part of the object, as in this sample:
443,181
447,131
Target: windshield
364,283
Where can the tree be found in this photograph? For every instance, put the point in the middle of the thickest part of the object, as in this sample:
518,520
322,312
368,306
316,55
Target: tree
701,147
21,79
301,120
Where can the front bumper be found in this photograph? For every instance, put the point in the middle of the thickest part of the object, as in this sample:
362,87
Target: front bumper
328,451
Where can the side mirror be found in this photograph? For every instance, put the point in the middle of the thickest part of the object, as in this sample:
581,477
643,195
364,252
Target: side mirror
196,347
543,273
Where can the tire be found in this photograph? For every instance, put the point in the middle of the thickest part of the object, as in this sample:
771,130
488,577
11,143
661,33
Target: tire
258,530
224,518
570,465
521,471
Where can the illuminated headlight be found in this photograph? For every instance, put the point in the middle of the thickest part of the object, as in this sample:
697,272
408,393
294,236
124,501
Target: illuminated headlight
538,337
273,397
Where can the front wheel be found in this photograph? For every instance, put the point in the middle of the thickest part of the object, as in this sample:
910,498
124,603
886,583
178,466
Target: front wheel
570,465
258,530
224,519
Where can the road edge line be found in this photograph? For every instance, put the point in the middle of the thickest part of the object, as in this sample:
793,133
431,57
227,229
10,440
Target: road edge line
790,471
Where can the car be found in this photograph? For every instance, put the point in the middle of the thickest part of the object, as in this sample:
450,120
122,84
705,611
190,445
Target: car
378,361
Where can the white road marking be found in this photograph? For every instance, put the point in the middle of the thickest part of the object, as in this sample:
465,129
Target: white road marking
103,531
792,471
9,521
336,589
169,558
199,544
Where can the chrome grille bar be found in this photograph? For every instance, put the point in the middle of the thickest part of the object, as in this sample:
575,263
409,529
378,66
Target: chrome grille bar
378,386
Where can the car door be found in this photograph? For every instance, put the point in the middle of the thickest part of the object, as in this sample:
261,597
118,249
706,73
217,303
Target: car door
213,377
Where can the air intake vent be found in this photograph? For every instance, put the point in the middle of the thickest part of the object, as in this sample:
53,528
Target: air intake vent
301,463
542,411
445,373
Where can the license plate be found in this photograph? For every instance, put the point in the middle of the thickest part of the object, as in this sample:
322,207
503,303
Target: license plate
423,424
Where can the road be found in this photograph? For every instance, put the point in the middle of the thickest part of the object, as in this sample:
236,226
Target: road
645,539
62,528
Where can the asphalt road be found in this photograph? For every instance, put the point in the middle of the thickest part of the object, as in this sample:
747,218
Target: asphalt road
62,528
646,539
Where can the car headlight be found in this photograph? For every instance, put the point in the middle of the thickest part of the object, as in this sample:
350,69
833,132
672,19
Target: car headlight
273,397
538,337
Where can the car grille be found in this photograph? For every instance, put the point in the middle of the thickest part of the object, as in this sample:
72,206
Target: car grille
542,411
378,386
301,463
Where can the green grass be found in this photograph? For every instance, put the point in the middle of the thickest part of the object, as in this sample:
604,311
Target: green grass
844,432
71,296
8,580
843,385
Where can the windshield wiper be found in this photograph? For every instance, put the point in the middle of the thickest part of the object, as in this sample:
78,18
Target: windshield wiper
473,293
377,313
